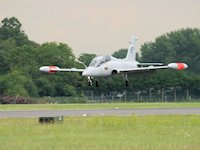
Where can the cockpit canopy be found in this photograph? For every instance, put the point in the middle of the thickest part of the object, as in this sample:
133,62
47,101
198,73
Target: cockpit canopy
97,61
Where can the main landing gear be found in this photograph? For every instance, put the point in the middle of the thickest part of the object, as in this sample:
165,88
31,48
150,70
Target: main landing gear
126,83
97,83
125,76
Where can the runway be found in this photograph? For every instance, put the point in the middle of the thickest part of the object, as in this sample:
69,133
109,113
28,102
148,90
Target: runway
98,112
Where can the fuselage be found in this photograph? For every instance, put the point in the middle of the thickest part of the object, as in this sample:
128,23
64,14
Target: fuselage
105,68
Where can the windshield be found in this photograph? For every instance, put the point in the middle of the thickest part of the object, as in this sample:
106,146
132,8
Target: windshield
97,61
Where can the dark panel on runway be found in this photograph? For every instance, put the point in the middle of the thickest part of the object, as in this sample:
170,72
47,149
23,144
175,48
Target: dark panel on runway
100,112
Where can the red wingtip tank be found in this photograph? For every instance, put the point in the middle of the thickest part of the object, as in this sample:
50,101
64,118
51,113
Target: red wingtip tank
49,69
178,66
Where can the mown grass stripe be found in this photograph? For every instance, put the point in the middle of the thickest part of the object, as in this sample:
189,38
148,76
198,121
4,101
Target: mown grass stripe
98,106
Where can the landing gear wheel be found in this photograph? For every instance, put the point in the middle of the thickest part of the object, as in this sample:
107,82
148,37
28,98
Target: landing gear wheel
126,83
97,83
89,81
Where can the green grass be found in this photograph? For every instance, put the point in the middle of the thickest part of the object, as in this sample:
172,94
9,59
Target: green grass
97,106
170,132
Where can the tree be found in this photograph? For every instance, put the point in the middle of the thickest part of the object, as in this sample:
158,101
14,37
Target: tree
122,54
6,46
177,46
86,58
15,83
21,59
11,28
53,53
59,84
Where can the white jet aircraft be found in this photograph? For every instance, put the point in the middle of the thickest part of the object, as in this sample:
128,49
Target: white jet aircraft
107,65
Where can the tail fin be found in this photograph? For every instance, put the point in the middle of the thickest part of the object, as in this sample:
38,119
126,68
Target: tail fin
131,54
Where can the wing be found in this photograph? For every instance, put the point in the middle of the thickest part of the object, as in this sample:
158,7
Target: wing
142,69
176,66
150,64
53,69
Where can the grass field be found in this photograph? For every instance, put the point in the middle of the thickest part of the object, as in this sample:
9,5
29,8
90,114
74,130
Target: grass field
171,132
97,106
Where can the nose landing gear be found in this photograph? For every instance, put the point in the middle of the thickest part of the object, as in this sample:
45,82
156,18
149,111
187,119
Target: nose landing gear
90,82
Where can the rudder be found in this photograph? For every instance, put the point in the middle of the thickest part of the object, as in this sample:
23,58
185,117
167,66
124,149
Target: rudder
131,54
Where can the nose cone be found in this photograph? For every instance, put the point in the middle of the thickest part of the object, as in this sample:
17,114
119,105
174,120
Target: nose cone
44,69
185,65
92,72
87,72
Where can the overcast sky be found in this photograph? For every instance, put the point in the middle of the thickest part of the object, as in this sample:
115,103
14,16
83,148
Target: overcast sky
100,26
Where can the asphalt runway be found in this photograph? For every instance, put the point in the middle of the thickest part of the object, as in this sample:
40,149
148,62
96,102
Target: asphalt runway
99,112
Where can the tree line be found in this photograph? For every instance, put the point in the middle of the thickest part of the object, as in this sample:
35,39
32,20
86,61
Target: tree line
21,58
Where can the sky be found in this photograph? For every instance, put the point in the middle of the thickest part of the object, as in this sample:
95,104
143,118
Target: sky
100,26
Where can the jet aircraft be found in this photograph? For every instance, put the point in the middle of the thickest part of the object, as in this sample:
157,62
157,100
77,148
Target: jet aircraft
107,65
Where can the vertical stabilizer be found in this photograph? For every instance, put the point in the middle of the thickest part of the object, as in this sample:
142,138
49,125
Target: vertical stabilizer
131,54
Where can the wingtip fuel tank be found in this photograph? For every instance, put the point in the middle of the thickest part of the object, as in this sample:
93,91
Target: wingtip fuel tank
49,69
178,66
